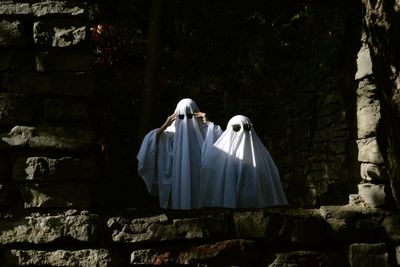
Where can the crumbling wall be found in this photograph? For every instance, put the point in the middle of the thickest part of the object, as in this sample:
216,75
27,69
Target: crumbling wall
48,142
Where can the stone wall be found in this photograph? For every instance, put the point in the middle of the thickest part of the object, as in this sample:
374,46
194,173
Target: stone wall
48,142
374,186
329,236
68,144
381,24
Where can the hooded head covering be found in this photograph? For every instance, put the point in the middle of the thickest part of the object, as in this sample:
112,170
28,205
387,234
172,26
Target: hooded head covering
170,163
238,172
186,106
189,135
186,125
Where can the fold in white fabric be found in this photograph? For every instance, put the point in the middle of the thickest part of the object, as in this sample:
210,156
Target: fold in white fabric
171,167
239,172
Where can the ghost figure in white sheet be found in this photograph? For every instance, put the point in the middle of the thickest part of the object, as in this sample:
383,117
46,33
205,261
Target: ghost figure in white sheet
239,172
169,160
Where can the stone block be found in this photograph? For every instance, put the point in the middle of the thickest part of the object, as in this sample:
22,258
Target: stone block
225,253
367,89
392,227
254,224
47,228
56,195
368,151
65,110
151,257
83,257
15,8
228,252
372,194
302,226
50,138
397,251
16,109
50,7
12,34
160,227
364,62
373,172
304,258
43,8
51,169
59,33
18,136
355,199
63,60
17,60
368,255
368,117
55,83
354,223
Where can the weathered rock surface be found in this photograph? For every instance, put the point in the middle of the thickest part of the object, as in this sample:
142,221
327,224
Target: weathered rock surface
368,255
285,226
368,151
225,253
392,226
56,195
46,228
12,33
162,227
364,62
59,33
354,222
42,8
54,169
43,138
373,172
210,237
305,258
300,226
373,194
78,258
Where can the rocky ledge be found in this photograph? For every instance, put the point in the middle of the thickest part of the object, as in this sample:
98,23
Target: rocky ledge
331,235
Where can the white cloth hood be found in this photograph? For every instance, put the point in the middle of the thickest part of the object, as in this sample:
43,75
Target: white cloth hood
186,106
171,167
189,135
187,128
239,172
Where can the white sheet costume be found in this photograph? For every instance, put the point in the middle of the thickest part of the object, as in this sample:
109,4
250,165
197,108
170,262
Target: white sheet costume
171,166
239,172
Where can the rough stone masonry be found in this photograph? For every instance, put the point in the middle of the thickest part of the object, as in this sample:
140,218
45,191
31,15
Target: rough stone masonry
48,169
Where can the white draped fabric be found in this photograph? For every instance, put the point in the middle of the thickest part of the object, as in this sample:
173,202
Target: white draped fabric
239,172
171,167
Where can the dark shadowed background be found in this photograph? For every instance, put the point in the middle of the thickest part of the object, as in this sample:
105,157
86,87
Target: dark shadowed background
287,65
